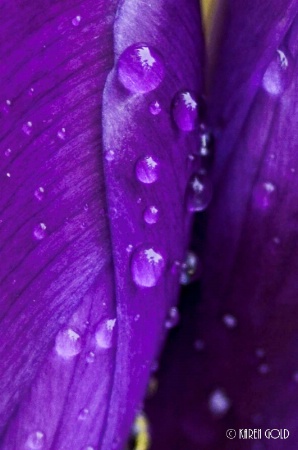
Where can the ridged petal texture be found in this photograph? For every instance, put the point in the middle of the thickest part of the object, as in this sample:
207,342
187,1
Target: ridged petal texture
94,171
238,365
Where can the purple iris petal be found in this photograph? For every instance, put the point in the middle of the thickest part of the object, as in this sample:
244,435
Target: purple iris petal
86,281
236,362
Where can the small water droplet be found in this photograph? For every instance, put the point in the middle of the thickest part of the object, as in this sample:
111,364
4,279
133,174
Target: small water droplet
39,193
140,68
76,21
278,74
151,215
199,345
31,92
105,333
173,318
8,174
88,448
27,128
8,102
40,232
86,207
147,266
36,440
68,343
83,414
185,110
137,317
263,195
260,352
7,152
263,369
129,248
295,377
155,108
190,269
90,357
199,193
219,403
147,170
110,155
229,321
61,134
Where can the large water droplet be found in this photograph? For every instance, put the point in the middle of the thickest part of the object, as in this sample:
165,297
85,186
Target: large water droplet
199,193
39,193
155,108
219,403
263,195
151,215
278,74
173,318
68,343
140,68
147,170
36,440
185,110
40,231
147,266
105,333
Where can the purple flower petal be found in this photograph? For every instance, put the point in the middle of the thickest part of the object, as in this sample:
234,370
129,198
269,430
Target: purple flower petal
86,282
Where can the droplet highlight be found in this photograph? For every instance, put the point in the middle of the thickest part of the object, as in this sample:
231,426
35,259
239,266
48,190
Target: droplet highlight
219,403
83,414
229,321
27,128
141,68
76,21
68,343
105,334
147,170
173,318
185,110
199,193
36,440
151,215
39,193
190,269
147,266
155,108
40,231
264,195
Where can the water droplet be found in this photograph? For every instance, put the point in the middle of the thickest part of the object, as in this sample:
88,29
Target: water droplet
147,266
263,195
129,248
90,357
295,377
27,128
278,74
190,269
185,110
229,321
83,414
61,134
151,215
36,440
199,345
140,68
39,193
110,155
76,21
39,231
219,403
260,352
137,317
8,174
263,369
86,207
88,448
31,92
173,318
147,170
8,102
155,108
7,152
199,193
68,343
105,333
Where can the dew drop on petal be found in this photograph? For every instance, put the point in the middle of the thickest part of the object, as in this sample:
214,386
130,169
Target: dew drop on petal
90,357
40,231
229,321
27,128
295,377
173,318
7,152
35,440
147,266
39,193
199,345
88,448
83,414
68,343
263,369
155,108
190,268
278,74
198,193
8,174
185,110
260,352
61,134
76,21
151,215
147,170
110,155
141,68
129,248
105,333
219,403
264,195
